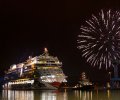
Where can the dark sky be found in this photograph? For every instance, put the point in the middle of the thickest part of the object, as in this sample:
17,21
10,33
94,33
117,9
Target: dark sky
27,26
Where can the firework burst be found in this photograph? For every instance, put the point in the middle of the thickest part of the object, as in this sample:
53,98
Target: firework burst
99,39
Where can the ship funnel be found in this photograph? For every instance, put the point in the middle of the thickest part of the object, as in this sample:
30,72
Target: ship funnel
46,51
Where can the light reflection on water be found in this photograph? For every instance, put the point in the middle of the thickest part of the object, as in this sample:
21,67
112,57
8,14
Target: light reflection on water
83,95
33,95
60,95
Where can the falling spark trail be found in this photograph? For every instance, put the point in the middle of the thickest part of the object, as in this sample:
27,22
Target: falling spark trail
99,39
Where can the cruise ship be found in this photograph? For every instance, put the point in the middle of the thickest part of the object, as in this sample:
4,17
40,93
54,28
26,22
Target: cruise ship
39,72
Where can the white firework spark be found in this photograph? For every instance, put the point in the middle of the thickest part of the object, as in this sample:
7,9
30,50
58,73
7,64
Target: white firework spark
99,39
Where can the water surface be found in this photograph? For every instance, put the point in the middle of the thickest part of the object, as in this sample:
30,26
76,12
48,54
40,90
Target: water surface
60,95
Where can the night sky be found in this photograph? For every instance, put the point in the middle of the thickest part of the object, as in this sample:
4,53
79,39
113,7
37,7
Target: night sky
27,26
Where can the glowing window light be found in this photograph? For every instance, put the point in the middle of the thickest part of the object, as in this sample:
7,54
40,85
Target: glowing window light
14,66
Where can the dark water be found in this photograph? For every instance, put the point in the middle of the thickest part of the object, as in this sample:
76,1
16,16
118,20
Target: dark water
60,95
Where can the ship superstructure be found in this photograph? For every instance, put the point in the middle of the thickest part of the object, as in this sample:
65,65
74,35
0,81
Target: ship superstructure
84,83
40,72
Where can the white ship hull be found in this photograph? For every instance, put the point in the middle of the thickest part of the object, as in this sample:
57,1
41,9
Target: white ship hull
25,84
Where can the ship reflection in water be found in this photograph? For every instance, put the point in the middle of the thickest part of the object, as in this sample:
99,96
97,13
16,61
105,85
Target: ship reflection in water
33,95
83,95
60,95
